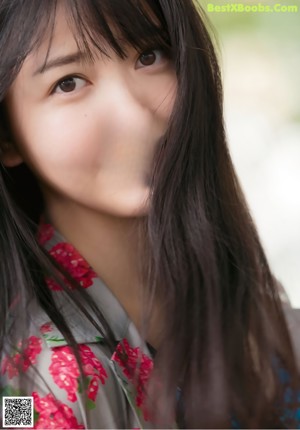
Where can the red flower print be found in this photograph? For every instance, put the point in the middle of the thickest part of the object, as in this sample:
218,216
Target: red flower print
53,414
45,232
65,371
46,328
69,258
137,367
9,366
33,348
92,368
22,361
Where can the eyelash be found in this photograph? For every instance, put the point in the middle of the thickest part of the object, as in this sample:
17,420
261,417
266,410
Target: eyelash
74,76
65,78
161,49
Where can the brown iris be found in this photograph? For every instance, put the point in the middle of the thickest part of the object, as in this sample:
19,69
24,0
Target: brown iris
148,58
67,85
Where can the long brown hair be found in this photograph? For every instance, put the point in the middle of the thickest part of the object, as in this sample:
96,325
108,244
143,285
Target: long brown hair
225,338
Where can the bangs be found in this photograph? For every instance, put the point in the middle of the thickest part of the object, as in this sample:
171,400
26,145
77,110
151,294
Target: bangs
98,24
138,23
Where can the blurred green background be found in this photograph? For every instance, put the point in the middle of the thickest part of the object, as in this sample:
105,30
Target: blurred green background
260,62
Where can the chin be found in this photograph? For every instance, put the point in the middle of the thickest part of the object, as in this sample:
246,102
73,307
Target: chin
134,204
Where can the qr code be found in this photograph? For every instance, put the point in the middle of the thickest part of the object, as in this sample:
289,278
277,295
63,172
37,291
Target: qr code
17,412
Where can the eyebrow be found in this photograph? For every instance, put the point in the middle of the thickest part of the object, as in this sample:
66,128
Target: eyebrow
64,60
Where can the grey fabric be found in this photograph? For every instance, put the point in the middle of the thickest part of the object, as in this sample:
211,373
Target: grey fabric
52,374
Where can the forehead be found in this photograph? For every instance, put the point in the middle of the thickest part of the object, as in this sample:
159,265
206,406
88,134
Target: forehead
91,27
103,25
60,35
63,36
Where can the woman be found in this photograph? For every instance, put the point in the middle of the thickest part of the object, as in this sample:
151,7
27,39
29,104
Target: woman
135,288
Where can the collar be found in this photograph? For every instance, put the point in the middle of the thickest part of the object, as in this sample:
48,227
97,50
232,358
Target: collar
82,330
131,360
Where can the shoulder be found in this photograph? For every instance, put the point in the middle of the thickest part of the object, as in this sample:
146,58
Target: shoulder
45,367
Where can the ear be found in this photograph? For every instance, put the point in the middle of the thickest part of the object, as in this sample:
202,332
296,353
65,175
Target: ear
9,155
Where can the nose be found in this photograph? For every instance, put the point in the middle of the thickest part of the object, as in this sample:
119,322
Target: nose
120,99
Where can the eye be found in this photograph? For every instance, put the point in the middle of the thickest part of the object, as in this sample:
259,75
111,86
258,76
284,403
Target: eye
69,84
150,57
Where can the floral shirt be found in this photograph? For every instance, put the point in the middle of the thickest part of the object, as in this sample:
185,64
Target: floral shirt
111,396
115,397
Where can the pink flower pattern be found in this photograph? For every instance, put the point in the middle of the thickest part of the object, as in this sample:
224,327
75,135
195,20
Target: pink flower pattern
65,371
46,328
69,258
45,232
21,361
53,414
137,367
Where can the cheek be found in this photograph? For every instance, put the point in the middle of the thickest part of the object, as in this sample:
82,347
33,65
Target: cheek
160,95
99,133
60,139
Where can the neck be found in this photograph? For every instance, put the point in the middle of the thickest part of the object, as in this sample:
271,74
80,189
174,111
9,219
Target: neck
109,244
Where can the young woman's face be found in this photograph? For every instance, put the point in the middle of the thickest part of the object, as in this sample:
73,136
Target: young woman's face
88,130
